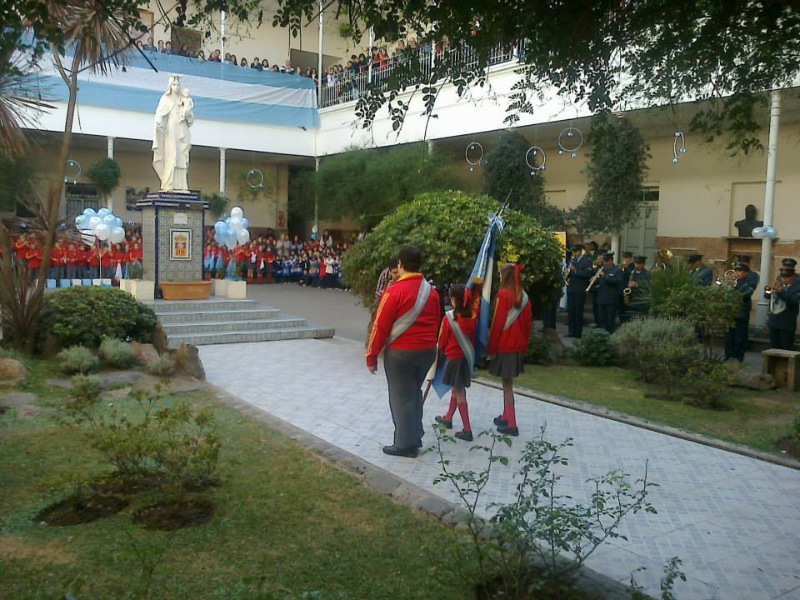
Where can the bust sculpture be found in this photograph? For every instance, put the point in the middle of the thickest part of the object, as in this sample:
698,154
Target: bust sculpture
745,226
172,139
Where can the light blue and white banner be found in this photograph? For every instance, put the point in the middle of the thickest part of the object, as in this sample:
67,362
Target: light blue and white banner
482,273
221,92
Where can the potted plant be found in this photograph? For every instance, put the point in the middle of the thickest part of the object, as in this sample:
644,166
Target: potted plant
136,286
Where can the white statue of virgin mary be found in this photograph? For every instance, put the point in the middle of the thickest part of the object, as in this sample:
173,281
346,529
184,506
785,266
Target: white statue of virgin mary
172,140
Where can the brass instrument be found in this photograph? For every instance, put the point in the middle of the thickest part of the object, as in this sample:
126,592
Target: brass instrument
626,293
594,279
776,304
728,278
776,286
567,275
663,259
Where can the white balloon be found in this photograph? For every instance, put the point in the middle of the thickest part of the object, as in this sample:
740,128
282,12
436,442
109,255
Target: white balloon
95,222
236,223
243,236
117,235
103,212
236,211
80,219
245,223
102,232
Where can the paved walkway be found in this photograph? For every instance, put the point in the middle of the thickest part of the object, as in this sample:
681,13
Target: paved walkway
735,521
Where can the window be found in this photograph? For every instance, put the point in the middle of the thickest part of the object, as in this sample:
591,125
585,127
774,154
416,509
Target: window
80,196
640,235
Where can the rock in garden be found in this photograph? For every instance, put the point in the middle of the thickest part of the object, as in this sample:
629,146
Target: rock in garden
188,360
59,383
12,369
31,412
160,339
17,399
126,378
144,353
113,395
757,381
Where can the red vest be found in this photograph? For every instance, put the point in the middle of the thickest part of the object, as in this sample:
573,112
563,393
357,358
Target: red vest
515,338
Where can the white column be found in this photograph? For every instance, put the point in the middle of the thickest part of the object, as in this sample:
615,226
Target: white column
316,201
222,35
110,154
222,157
319,54
615,244
371,44
762,309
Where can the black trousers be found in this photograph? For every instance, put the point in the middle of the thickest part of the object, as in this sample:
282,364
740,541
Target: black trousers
405,374
607,313
736,340
575,304
595,309
780,339
549,320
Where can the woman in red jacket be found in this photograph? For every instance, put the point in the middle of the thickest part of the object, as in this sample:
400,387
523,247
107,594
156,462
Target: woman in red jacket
508,341
456,336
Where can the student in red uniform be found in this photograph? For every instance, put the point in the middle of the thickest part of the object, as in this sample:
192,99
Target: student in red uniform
406,324
456,336
508,341
93,255
21,250
34,256
119,257
72,261
105,262
57,261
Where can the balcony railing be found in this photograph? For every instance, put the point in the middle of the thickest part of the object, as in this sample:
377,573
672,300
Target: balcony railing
351,84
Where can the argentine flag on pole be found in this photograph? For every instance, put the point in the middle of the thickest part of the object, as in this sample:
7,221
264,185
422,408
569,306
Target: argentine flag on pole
481,275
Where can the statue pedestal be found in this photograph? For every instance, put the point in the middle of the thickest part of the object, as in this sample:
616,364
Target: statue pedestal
173,226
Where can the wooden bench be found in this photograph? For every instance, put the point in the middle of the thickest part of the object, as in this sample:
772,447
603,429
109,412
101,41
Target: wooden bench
782,365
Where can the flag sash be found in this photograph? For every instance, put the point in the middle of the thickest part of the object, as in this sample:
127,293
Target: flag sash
515,312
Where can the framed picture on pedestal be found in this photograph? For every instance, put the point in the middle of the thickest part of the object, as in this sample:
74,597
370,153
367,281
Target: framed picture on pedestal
180,247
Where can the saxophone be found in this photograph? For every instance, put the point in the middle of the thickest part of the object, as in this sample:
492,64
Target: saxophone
626,293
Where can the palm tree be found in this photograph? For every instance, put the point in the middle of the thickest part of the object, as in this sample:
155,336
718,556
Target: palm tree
94,38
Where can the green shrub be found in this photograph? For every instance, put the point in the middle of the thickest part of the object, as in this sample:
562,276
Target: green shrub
164,366
116,353
84,393
594,348
645,345
77,359
538,352
448,228
86,315
707,382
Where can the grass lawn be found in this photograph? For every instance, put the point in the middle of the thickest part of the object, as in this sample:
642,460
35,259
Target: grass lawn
753,418
282,517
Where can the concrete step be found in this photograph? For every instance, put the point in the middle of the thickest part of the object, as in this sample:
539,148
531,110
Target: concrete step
203,316
216,326
170,306
239,337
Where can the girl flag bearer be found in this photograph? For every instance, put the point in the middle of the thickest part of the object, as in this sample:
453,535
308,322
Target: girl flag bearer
508,341
456,341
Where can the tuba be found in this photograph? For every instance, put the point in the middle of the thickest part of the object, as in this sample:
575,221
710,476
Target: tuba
728,278
663,259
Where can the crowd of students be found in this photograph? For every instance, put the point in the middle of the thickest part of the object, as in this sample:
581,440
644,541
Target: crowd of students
71,259
277,259
229,58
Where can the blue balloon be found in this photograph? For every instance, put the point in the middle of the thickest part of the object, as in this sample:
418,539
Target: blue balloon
80,219
220,228
118,222
103,212
89,212
245,223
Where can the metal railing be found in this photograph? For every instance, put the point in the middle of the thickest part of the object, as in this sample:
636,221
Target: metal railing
351,84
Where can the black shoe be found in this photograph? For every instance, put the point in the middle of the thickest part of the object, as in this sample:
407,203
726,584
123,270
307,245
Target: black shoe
448,423
464,435
512,431
500,421
395,451
419,444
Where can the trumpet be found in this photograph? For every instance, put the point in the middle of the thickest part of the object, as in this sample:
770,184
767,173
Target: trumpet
775,287
593,280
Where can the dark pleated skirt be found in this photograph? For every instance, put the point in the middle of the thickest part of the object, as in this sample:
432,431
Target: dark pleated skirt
507,366
457,373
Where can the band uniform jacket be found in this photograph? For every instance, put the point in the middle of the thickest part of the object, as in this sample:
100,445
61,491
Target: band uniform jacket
702,275
787,320
610,285
637,295
583,273
753,278
746,288
397,300
515,338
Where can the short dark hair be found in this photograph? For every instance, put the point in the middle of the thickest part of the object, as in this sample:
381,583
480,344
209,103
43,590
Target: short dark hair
391,263
411,258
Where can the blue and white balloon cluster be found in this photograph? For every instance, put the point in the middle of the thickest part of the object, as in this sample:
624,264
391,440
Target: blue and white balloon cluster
101,225
233,230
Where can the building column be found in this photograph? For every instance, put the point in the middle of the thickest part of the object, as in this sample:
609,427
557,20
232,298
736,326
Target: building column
316,200
222,35
371,44
762,309
319,53
110,154
222,158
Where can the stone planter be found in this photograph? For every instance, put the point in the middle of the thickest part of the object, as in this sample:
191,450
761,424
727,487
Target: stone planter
186,290
219,287
237,290
125,285
141,289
